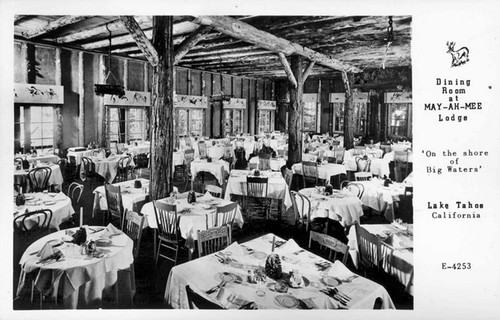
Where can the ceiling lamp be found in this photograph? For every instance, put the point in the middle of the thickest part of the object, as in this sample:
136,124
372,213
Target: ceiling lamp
112,89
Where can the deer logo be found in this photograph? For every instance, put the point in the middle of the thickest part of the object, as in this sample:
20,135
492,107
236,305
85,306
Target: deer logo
458,57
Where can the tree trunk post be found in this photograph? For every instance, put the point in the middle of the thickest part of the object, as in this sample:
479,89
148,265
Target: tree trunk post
348,111
295,109
162,109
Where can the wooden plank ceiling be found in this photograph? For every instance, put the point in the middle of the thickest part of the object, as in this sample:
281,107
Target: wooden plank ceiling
356,41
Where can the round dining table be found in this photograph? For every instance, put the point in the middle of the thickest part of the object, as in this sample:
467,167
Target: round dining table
79,280
55,179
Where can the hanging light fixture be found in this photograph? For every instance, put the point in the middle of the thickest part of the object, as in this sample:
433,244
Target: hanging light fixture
112,89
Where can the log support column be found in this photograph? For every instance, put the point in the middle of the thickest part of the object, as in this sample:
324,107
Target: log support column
295,109
347,78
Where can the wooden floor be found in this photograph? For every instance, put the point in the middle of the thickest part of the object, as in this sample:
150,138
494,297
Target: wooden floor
151,281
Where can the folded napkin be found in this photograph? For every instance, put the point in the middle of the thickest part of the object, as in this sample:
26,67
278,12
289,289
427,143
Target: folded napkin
340,271
206,197
290,246
46,252
231,300
235,249
399,226
111,230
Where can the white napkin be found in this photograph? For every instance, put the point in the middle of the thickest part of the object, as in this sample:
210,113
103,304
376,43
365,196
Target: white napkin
290,246
46,251
206,197
235,249
340,271
111,230
399,226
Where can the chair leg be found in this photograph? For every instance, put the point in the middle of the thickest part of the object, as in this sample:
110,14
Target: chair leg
157,253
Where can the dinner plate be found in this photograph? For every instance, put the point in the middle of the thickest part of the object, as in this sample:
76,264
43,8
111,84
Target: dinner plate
291,260
206,206
103,241
49,202
287,301
259,255
28,197
330,281
230,277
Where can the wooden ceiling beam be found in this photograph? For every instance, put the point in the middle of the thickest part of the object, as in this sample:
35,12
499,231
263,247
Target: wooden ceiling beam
203,53
19,17
54,25
190,42
87,33
288,70
248,33
140,38
220,57
179,30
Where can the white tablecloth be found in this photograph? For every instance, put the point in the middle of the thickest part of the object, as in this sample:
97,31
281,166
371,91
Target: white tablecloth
193,220
59,203
325,171
340,207
39,157
108,167
79,154
402,267
55,179
82,278
133,198
215,152
277,187
379,167
204,273
213,167
381,198
276,163
390,156
136,149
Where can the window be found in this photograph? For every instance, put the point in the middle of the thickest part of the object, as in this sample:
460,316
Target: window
233,121
33,127
190,121
266,121
310,112
359,111
126,124
399,112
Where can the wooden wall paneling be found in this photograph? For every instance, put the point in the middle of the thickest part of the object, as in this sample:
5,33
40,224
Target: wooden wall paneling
281,104
81,101
207,88
91,111
326,112
58,116
150,77
44,65
124,80
136,76
259,95
181,81
245,94
20,63
31,66
252,106
216,106
69,79
311,86
196,83
116,70
227,88
103,116
236,91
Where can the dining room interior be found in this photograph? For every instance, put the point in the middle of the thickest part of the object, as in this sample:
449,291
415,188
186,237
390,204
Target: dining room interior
212,162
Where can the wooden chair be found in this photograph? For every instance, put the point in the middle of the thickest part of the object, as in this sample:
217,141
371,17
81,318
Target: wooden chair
288,176
356,189
309,173
214,190
257,188
224,215
302,210
196,301
43,217
363,164
39,179
400,165
213,240
369,249
124,169
168,230
264,161
75,191
363,176
386,147
88,171
115,204
339,155
132,226
141,160
335,246
202,149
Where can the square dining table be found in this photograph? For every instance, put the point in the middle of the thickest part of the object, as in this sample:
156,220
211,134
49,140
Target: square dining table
231,266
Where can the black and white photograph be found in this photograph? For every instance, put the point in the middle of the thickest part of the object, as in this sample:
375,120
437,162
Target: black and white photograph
248,160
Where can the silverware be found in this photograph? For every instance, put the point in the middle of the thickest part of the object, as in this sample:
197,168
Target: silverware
341,294
214,288
298,252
